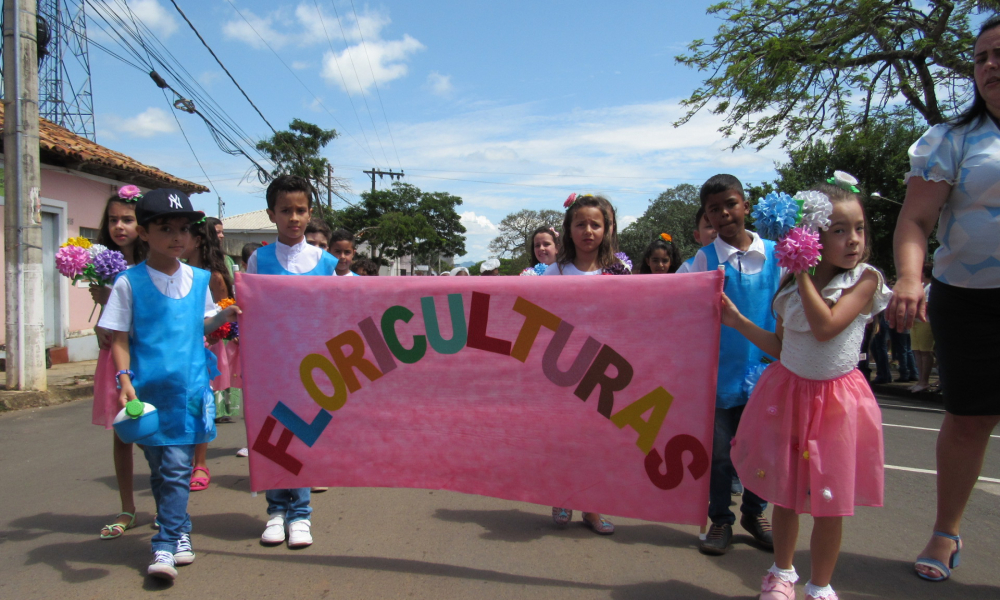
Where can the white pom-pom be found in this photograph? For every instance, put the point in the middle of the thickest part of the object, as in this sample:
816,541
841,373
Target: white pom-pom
96,249
816,210
845,179
827,494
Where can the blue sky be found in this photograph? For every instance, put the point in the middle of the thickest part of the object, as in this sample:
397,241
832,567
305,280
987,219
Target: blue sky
508,105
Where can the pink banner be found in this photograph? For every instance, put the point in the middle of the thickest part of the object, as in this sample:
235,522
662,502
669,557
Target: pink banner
591,393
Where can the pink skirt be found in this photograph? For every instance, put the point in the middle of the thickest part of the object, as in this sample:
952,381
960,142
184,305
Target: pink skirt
222,381
106,406
233,359
811,446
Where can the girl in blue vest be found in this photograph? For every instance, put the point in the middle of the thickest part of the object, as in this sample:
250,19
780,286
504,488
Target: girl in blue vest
117,232
159,312
811,436
590,247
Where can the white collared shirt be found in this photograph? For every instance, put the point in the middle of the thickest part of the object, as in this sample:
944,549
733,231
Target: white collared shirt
749,262
117,314
298,259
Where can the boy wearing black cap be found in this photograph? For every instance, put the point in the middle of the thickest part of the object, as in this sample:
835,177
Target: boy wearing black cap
159,312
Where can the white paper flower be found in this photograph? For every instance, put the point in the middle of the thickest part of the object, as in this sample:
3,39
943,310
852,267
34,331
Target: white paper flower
816,210
845,179
96,249
827,494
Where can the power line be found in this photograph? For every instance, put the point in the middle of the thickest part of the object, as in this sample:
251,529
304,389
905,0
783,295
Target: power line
361,88
231,78
375,83
194,154
289,69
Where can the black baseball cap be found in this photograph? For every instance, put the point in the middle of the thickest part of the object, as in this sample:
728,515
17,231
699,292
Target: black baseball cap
165,202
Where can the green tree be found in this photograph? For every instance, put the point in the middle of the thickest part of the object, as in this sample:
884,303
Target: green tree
802,68
297,152
672,212
405,221
512,242
877,156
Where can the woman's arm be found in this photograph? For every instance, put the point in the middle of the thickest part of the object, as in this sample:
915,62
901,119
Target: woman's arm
825,321
768,341
923,203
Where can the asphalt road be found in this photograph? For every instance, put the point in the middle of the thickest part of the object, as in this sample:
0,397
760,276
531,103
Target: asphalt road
59,489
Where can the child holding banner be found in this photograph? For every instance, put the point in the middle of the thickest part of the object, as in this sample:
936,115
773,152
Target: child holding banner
159,312
590,235
752,277
289,206
814,405
118,232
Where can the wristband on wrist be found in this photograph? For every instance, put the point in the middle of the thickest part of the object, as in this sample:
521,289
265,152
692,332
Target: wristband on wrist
118,375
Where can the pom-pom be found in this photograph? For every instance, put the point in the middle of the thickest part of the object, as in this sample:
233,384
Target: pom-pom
622,267
799,250
226,303
775,214
666,237
222,333
845,181
72,260
234,331
80,242
816,210
129,193
538,269
108,264
570,200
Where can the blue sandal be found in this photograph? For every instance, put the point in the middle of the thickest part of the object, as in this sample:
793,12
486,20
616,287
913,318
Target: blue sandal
561,516
939,566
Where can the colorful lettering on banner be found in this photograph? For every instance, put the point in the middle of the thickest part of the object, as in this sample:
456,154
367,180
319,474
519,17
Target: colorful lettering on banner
508,387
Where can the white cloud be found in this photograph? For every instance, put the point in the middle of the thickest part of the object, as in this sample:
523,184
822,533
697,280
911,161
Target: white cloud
299,65
150,122
439,84
376,61
153,14
477,223
625,221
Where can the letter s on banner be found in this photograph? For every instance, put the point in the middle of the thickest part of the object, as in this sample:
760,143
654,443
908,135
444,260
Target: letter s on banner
674,457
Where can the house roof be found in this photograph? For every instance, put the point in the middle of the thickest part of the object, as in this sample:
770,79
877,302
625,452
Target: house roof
247,222
61,147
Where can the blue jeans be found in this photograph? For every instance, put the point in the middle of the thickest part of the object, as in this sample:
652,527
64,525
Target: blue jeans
903,354
293,502
720,483
880,350
170,479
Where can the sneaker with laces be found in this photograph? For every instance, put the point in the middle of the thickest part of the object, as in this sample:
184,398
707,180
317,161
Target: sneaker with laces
162,566
718,539
773,587
760,528
184,554
274,533
299,535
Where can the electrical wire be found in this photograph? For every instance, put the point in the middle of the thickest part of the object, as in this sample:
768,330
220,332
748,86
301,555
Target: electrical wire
302,83
340,71
194,154
357,77
375,83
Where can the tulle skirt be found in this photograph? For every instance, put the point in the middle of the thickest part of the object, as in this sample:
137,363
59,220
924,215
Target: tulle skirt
811,446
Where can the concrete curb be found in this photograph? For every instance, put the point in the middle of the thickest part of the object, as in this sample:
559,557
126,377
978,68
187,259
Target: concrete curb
17,400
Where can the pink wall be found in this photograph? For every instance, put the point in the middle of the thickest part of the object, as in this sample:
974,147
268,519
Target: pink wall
85,200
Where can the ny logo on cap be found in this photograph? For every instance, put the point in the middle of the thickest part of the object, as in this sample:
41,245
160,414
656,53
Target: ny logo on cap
175,201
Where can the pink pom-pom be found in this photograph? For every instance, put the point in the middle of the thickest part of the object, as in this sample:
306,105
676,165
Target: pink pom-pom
799,250
72,260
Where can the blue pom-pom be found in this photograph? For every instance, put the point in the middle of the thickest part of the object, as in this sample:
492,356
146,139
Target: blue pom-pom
775,214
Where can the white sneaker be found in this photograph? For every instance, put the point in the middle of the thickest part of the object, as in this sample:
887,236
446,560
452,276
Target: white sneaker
162,566
274,533
299,535
184,554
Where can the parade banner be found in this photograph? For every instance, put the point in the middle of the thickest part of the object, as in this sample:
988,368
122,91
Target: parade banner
590,393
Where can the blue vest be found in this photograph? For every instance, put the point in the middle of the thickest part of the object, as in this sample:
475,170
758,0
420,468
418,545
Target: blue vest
169,359
267,263
752,294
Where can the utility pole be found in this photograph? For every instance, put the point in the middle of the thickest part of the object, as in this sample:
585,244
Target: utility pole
329,186
25,312
381,174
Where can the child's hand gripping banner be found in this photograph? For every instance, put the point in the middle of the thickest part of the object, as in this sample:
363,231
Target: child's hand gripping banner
592,393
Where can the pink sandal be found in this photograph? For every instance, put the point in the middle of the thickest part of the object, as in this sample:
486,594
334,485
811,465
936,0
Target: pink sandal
200,483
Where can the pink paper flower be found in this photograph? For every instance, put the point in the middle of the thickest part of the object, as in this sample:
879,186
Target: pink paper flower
799,250
569,201
72,260
129,193
772,410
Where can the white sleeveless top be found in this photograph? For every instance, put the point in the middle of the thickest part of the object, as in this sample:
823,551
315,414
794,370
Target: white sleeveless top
802,353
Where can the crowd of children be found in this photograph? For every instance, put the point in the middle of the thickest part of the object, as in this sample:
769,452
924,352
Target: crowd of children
806,326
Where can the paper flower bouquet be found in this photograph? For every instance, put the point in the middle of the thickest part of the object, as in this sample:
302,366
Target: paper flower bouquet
794,223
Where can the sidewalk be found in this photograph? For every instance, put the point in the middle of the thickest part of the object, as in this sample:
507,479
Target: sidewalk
66,382
901,389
